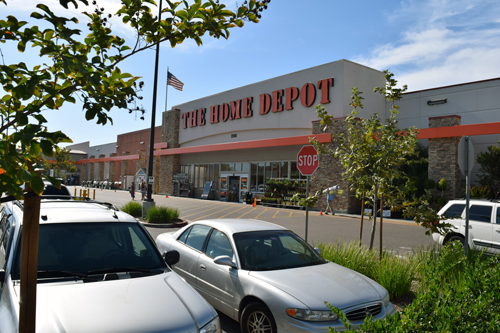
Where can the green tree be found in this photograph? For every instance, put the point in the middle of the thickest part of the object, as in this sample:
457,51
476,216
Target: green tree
59,162
373,153
489,168
77,65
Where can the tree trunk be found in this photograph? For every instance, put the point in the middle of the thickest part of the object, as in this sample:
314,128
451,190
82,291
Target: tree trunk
362,216
381,221
29,262
374,223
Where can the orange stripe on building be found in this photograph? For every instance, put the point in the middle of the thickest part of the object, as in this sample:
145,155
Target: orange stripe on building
460,130
267,143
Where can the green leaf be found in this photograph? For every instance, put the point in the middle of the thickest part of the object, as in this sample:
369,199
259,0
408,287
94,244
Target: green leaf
47,148
36,184
21,46
22,119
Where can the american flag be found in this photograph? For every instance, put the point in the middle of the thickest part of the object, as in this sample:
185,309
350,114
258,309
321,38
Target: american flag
174,82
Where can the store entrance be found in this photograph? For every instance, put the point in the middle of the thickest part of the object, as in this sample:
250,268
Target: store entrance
234,188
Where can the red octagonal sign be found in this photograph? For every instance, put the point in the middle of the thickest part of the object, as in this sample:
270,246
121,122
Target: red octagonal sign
307,160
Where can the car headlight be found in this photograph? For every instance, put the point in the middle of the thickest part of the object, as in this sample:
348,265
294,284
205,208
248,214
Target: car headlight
312,315
386,300
211,327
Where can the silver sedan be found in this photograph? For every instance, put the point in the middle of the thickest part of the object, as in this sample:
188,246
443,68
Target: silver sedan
269,279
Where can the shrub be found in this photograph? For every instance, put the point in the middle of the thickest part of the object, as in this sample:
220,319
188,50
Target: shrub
162,214
133,208
394,273
458,295
480,191
441,201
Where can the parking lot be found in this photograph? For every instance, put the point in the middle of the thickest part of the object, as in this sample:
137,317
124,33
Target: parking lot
399,235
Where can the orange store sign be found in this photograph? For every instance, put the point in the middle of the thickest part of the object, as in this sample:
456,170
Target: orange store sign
278,101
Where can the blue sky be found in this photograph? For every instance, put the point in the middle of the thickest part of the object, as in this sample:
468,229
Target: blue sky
425,43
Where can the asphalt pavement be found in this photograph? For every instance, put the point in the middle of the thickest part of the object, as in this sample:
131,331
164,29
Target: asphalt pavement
398,235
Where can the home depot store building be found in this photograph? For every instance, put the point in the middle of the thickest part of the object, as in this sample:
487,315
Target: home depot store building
251,134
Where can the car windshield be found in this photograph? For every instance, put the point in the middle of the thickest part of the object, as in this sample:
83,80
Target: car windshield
275,249
92,250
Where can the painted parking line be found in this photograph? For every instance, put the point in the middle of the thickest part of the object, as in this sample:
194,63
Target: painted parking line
265,210
204,216
239,217
234,211
197,212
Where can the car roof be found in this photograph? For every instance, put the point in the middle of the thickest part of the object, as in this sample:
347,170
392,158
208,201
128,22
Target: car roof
71,211
232,226
482,200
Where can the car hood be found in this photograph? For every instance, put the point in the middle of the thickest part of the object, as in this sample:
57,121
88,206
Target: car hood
158,303
332,283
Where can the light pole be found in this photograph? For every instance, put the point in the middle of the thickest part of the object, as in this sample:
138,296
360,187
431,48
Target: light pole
153,116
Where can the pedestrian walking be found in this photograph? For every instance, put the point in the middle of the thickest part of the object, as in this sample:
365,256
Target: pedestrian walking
330,195
143,190
132,191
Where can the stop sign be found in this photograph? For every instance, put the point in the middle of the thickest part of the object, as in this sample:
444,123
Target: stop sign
307,160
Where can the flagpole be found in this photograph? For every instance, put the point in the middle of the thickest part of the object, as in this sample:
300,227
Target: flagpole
166,92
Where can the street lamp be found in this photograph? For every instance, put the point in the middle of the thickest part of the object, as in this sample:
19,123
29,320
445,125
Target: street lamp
153,115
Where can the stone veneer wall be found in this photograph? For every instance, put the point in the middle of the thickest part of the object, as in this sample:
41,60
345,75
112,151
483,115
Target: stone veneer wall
169,164
91,168
443,158
124,166
83,172
112,169
101,168
156,173
142,162
329,173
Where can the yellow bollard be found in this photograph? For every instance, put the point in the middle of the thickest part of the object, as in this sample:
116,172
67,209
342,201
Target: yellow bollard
75,191
80,193
94,194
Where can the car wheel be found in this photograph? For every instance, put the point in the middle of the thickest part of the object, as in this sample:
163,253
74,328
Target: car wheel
256,318
456,238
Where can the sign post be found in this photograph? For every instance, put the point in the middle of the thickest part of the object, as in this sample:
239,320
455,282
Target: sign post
466,162
307,163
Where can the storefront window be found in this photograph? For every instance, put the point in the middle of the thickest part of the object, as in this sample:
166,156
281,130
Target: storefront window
268,172
261,185
284,169
275,170
216,176
253,177
294,172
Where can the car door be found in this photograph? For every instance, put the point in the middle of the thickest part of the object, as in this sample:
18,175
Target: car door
495,244
189,245
480,225
218,283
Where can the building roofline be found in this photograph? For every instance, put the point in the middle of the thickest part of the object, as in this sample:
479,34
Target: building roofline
451,86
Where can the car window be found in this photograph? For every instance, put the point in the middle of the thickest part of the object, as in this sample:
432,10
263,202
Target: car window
498,215
480,213
90,247
273,250
455,211
218,245
197,236
182,238
4,237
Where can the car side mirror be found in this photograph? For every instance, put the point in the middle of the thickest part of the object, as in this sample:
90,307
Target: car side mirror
317,249
224,261
171,257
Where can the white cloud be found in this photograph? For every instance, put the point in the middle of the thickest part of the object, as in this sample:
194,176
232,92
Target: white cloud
445,42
